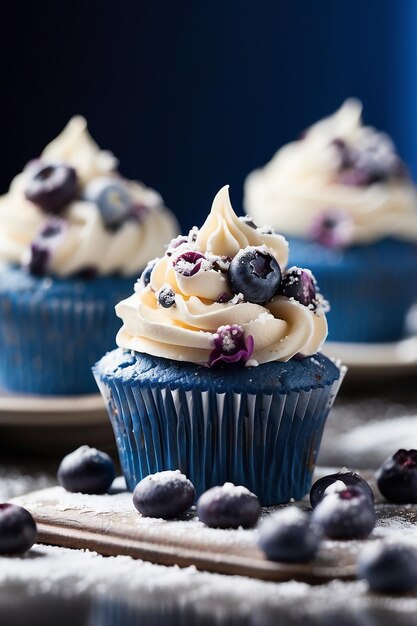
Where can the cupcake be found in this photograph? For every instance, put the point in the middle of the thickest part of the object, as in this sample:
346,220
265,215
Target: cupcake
343,198
218,371
73,233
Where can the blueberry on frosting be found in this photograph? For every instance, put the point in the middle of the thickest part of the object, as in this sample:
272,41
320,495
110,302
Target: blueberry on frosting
41,249
255,273
231,346
299,284
372,159
50,186
112,198
166,297
332,228
189,263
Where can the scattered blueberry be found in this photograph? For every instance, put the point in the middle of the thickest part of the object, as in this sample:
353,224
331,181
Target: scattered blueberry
289,536
389,567
231,346
189,263
86,470
347,514
343,479
112,198
166,297
17,529
51,186
397,477
229,506
255,274
165,494
332,228
299,284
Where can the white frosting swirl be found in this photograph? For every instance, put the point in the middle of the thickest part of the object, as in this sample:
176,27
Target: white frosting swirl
280,328
300,182
86,243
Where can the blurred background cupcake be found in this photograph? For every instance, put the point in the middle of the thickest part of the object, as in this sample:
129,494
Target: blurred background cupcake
74,235
343,197
217,371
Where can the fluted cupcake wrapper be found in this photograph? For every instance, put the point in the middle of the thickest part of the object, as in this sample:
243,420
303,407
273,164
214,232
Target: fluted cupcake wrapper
49,345
269,443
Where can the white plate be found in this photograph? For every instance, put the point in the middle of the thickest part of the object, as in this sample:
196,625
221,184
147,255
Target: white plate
375,359
25,410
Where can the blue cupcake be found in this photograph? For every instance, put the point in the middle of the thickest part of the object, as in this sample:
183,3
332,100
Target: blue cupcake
343,198
217,371
73,234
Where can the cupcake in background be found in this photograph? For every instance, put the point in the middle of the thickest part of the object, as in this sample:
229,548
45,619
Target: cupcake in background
73,234
343,198
217,371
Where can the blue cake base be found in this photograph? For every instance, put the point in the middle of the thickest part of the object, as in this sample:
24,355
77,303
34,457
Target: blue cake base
53,330
255,426
371,288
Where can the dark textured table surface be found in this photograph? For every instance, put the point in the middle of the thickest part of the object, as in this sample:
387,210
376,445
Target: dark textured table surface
369,421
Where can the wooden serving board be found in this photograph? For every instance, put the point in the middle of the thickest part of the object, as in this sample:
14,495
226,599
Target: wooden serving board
111,526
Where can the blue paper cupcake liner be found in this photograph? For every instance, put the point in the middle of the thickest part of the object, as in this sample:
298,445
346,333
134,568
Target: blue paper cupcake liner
265,441
53,331
371,289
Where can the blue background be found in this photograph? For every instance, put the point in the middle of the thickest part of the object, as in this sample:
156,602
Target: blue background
191,95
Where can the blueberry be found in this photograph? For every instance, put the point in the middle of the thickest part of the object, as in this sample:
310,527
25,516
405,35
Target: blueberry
299,284
255,274
344,479
176,243
145,277
165,494
51,186
41,248
189,263
86,470
38,260
229,506
289,536
347,514
221,263
332,228
113,199
389,567
231,346
166,297
18,530
397,477
372,159
248,221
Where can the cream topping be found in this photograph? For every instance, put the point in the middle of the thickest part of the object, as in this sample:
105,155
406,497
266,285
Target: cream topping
300,182
280,328
86,242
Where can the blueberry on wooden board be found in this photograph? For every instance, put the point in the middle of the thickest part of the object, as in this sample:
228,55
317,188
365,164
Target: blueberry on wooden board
289,536
229,506
166,494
